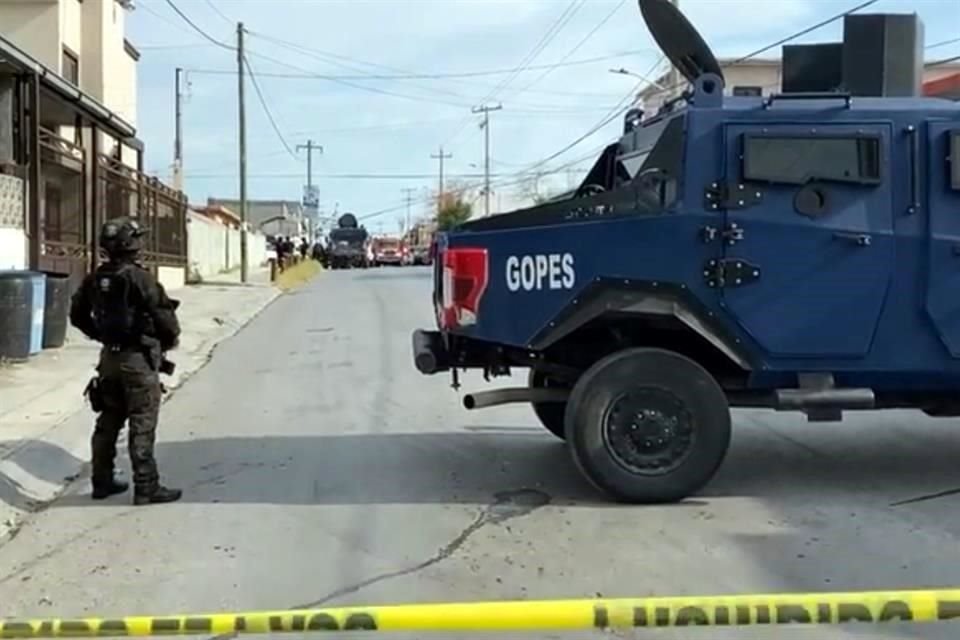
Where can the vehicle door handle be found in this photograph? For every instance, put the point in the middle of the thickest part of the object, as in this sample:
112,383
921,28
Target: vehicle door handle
859,239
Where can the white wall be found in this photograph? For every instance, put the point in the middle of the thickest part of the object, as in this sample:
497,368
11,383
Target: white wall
34,26
213,248
13,241
71,31
172,278
13,249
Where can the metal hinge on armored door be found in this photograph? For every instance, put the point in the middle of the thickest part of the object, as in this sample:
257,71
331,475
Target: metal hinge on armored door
730,235
730,272
720,195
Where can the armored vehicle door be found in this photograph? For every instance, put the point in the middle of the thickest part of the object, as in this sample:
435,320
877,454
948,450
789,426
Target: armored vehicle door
943,284
808,246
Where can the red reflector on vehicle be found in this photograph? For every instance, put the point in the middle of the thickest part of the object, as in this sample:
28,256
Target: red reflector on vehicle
464,283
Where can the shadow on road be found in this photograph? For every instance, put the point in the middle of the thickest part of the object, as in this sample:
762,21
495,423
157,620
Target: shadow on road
469,467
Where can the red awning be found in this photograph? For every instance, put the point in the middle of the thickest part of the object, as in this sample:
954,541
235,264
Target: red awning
946,87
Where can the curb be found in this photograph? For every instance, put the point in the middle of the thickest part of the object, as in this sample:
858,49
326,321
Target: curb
39,471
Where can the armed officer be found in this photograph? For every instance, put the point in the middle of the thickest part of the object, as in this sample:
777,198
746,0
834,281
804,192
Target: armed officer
122,306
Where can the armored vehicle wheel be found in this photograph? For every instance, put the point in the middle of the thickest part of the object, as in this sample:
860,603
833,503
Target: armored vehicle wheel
648,425
550,414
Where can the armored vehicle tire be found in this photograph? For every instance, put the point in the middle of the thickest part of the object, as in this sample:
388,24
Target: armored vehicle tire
648,426
550,414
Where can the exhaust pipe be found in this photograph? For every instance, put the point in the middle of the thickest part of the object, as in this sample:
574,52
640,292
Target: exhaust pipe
814,399
513,396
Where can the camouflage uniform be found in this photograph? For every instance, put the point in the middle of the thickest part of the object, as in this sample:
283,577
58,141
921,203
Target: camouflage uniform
122,306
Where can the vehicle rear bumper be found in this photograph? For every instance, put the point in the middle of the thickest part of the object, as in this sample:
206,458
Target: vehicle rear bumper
430,353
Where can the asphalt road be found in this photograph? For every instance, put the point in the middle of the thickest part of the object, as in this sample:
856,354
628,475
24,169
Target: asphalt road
320,468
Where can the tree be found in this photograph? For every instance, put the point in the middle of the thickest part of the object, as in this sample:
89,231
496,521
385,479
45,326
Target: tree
454,210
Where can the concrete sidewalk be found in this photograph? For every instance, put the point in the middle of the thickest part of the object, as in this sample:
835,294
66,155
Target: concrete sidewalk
45,424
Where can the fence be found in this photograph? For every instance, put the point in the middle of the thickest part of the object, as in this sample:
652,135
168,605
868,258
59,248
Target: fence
65,225
124,191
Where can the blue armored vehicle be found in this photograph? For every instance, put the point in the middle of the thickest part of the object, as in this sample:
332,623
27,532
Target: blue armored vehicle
798,251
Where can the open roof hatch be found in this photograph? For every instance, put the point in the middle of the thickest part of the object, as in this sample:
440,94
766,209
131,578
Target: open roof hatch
679,40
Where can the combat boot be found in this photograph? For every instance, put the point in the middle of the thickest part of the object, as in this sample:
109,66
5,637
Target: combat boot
112,487
160,495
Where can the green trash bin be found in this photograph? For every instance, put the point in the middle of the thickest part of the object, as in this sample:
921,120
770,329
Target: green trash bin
56,310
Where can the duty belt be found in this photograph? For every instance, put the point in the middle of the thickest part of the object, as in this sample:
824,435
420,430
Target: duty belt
119,348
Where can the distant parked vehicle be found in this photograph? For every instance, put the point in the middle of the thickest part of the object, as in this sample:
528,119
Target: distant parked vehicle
387,251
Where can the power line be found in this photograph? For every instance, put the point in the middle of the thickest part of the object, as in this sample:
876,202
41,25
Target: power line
352,176
558,24
343,79
531,108
615,112
538,48
216,10
203,33
783,41
942,62
266,109
362,87
427,199
330,58
620,109
162,17
464,105
576,48
447,75
942,43
804,32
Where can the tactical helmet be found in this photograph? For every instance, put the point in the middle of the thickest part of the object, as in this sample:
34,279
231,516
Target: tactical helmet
121,236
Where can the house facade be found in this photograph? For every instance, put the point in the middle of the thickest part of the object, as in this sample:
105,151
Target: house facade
763,76
68,140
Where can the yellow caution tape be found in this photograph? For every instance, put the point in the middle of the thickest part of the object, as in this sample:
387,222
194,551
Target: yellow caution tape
805,608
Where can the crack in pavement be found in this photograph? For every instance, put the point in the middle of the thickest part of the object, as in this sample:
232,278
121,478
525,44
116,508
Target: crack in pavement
506,506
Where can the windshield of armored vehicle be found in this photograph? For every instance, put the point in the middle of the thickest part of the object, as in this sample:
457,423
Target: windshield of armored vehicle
350,236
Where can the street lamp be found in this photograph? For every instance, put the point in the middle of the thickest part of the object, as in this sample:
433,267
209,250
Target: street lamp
627,72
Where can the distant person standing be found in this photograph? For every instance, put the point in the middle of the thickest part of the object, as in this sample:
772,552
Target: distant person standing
281,248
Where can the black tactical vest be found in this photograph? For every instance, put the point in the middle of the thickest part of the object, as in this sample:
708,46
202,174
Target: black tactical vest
115,306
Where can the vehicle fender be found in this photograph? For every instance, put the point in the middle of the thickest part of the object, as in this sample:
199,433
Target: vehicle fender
644,299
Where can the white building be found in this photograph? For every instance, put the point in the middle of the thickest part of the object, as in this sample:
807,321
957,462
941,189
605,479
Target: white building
759,76
82,41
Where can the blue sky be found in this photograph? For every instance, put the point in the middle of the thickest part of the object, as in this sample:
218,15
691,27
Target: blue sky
389,126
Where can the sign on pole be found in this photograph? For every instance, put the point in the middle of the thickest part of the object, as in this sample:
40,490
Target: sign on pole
311,196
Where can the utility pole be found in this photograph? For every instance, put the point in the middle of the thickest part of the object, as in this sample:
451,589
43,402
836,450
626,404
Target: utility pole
408,191
178,133
310,205
440,157
242,119
485,110
310,147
